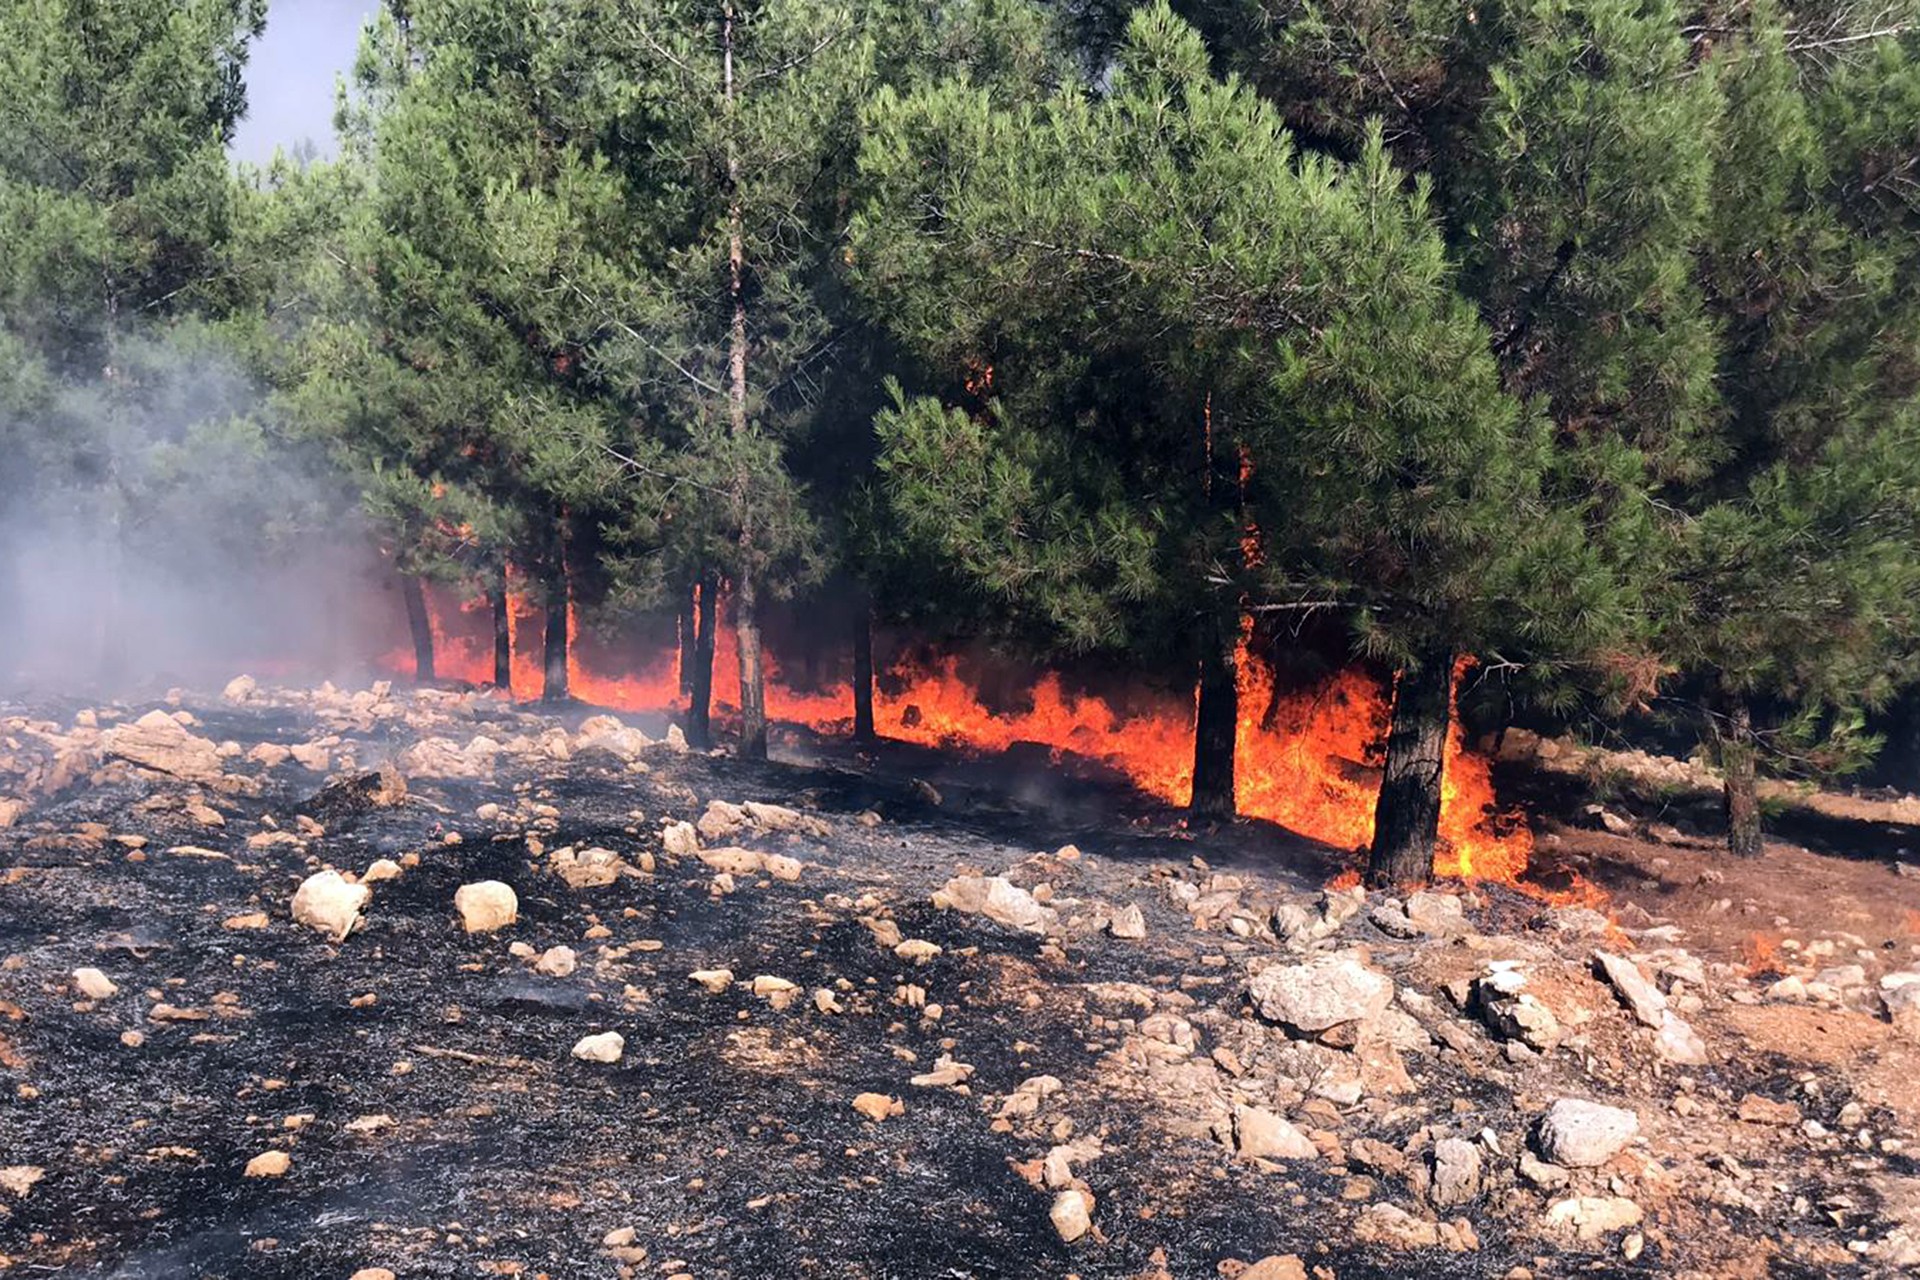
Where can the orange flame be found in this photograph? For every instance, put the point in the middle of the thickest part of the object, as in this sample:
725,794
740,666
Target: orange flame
1307,759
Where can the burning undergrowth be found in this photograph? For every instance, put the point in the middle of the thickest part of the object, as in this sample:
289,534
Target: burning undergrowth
1122,1030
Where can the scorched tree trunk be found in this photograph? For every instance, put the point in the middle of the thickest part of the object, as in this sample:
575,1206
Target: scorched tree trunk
863,730
554,656
1737,766
502,633
753,689
1216,721
700,696
420,626
1406,820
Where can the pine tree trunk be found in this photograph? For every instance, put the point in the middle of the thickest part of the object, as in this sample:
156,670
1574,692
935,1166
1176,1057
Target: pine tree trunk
554,657
1406,820
1737,769
420,626
753,689
746,619
689,605
502,633
1216,723
700,691
863,729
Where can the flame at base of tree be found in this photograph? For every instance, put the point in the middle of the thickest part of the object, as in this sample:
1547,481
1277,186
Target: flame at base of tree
1307,760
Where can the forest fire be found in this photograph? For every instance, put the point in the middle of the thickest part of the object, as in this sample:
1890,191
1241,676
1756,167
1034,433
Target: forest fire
1308,759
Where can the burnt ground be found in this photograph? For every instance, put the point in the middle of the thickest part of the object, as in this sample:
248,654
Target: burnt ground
421,1081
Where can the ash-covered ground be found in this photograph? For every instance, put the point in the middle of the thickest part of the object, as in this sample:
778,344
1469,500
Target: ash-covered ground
926,1040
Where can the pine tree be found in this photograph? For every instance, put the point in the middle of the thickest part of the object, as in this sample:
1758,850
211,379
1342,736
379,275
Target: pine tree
1193,329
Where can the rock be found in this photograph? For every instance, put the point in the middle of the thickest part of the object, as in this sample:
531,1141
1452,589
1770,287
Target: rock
239,689
605,1047
945,1074
19,1178
158,742
326,902
248,920
1391,919
1278,1266
1680,1043
878,1106
380,869
1456,1173
1324,992
1128,922
714,980
1072,1214
268,1164
1390,1225
1438,915
373,1273
1260,1134
1580,1135
1903,1008
1511,1011
93,984
1639,995
1591,1217
556,962
1755,1109
680,839
734,861
1600,818
486,905
592,868
1541,1174
608,734
916,950
996,898
783,868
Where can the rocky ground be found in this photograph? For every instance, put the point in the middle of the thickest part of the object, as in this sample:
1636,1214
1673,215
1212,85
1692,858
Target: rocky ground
362,984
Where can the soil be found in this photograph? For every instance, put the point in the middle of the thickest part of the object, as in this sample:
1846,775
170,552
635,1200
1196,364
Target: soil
421,1081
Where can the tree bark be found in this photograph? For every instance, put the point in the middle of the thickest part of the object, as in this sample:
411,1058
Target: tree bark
420,626
753,689
554,657
1216,724
689,606
700,692
746,620
863,729
1406,820
502,632
1741,796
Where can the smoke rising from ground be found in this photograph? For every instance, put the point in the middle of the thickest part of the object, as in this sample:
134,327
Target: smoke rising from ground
156,527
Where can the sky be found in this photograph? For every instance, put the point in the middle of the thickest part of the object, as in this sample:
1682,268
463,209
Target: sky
291,73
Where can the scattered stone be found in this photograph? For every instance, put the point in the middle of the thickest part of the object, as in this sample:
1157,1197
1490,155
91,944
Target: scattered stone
1438,915
592,868
1591,1217
714,980
557,962
1322,993
327,903
1072,1214
161,743
783,868
1639,995
373,1273
1580,1135
1679,1043
1755,1109
1513,1012
248,920
1260,1134
268,1164
93,984
917,950
945,1074
1390,1225
380,869
878,1106
734,861
19,1178
605,1047
1129,922
1279,1266
680,839
1456,1173
996,898
1903,1008
486,905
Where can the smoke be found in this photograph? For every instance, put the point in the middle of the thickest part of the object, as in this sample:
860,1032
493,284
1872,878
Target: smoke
158,526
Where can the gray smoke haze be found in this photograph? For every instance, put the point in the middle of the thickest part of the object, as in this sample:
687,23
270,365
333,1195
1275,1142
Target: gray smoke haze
156,531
